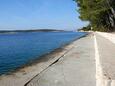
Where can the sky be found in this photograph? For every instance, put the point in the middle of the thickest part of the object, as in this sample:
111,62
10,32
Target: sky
39,14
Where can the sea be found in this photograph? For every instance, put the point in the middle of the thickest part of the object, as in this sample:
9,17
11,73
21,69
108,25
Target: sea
18,49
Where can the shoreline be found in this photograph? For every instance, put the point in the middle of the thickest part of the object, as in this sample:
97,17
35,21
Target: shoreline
24,74
43,57
77,66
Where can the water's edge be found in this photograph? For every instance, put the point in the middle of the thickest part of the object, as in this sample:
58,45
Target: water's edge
44,57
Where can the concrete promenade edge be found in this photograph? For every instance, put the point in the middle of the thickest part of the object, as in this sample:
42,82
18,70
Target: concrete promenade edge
75,68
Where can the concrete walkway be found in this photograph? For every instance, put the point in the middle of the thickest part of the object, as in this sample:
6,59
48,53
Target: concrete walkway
107,60
75,68
89,61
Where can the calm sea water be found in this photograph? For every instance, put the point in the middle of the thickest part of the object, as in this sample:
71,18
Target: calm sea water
20,48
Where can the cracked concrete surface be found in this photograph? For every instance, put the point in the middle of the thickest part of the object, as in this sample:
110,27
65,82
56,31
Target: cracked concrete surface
75,68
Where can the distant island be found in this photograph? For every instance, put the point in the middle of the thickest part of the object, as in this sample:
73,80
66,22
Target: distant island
35,30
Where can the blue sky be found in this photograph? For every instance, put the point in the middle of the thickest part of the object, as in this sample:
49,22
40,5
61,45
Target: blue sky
39,14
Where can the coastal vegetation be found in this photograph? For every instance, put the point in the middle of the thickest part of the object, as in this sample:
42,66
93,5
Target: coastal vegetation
99,13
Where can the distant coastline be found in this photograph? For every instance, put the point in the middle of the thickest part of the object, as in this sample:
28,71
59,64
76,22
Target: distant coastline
35,30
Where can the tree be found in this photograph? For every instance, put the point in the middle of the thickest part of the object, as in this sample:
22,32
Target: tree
100,13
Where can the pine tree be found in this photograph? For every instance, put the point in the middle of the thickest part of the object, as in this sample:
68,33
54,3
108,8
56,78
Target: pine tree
100,13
